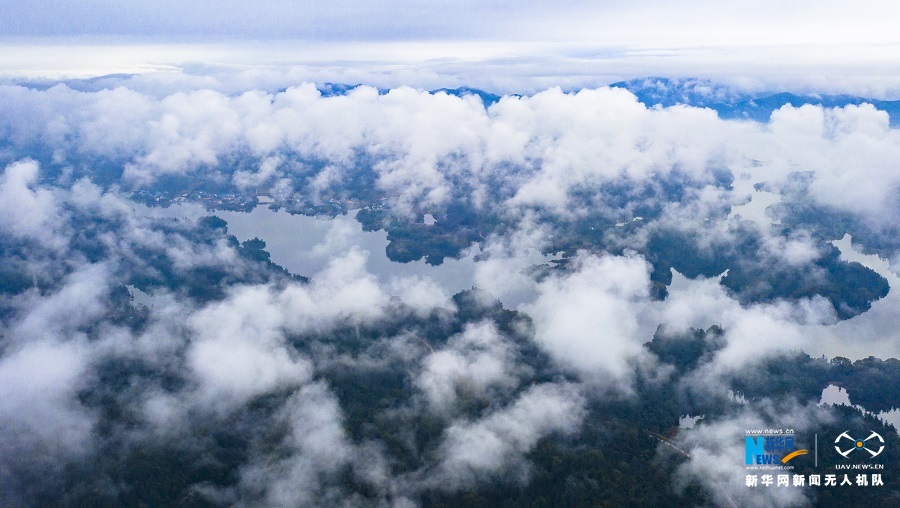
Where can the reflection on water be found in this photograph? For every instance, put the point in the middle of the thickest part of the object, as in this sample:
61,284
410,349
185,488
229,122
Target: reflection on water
835,395
874,332
891,417
755,209
304,245
688,421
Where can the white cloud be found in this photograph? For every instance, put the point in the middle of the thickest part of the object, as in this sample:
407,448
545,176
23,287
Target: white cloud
587,320
473,451
38,408
25,210
851,152
420,145
473,363
344,293
421,294
240,350
79,303
752,332
246,180
317,448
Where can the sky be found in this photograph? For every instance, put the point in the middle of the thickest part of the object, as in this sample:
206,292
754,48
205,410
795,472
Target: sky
609,22
520,46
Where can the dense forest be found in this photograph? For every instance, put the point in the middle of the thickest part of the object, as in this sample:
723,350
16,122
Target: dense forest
619,453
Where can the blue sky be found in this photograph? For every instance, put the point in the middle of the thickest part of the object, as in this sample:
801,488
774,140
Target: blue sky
521,46
608,21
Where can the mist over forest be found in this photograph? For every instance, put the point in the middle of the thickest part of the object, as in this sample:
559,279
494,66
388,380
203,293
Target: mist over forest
626,280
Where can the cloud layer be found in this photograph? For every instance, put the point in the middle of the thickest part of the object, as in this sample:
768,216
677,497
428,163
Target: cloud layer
129,339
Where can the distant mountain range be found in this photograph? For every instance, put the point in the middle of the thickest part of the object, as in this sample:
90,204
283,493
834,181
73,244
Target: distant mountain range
487,98
735,105
728,103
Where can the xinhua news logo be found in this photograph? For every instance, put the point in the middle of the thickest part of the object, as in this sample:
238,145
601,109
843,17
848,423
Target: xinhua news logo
770,448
